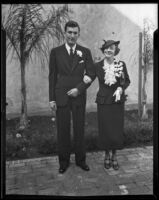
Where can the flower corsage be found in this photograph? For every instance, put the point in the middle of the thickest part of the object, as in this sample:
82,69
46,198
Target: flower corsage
79,53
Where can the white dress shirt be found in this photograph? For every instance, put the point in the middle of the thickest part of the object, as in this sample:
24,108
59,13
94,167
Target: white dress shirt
68,48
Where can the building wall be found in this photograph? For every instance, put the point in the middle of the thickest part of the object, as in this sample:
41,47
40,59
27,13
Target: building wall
97,22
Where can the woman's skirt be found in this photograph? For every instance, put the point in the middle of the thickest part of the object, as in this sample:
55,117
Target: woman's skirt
110,125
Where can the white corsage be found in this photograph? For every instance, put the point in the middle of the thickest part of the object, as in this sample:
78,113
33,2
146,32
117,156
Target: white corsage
79,53
112,71
118,68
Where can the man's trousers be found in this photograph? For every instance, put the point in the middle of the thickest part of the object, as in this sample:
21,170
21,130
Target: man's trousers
63,115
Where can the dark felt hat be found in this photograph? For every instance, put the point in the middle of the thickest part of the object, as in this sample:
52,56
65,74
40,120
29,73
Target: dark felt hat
109,43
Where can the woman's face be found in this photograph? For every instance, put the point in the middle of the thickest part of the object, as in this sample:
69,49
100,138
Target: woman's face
110,51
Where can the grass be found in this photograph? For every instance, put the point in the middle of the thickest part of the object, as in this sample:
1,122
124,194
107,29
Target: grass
40,139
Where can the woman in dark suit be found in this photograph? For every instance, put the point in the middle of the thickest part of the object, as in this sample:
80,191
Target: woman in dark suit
113,80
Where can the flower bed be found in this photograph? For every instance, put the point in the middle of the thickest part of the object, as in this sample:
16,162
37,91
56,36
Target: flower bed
40,139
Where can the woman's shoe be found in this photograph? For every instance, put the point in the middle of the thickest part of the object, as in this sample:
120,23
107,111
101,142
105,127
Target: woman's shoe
115,164
107,163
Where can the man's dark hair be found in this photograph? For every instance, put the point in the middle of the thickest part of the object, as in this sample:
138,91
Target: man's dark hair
72,24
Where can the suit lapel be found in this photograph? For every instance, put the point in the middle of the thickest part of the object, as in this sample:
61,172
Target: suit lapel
75,58
65,57
102,63
101,70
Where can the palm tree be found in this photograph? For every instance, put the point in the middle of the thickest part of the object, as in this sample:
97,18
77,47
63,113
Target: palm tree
147,58
28,29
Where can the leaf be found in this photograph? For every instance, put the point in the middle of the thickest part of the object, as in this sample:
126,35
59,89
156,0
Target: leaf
28,29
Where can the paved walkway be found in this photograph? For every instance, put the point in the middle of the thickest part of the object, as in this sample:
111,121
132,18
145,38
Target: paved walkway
40,176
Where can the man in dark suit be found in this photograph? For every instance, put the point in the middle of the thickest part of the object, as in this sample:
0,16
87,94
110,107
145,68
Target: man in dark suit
67,94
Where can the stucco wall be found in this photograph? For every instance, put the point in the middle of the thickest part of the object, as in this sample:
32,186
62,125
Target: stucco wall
97,22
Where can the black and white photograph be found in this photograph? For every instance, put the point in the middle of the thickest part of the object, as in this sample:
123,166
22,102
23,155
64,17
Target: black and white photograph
78,99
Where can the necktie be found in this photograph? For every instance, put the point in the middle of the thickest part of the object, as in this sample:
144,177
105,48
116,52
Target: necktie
71,55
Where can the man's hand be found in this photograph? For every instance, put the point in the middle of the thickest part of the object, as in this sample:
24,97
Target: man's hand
53,105
73,92
118,93
87,79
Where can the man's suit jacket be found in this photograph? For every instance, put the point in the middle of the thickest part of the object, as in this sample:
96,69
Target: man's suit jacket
105,92
64,76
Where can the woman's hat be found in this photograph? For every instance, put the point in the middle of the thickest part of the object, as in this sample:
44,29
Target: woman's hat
109,43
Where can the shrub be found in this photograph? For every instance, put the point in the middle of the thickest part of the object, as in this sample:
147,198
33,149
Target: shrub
16,147
40,139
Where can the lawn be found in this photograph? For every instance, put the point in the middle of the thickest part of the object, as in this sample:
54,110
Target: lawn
40,139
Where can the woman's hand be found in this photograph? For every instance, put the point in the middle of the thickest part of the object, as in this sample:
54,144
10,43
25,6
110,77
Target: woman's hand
87,79
118,93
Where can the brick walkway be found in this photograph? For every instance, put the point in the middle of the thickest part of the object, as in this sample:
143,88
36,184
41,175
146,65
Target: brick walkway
40,176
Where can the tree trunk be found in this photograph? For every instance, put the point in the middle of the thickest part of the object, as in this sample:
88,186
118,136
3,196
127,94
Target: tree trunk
23,117
144,112
140,77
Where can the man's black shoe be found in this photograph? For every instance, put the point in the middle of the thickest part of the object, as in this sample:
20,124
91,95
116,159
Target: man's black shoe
83,166
62,169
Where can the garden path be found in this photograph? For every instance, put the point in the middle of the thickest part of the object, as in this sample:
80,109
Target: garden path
40,176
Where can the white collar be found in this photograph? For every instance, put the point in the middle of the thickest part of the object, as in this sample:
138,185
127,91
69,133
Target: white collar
68,48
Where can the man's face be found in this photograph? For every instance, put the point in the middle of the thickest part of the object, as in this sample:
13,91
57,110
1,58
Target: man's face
71,35
110,51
